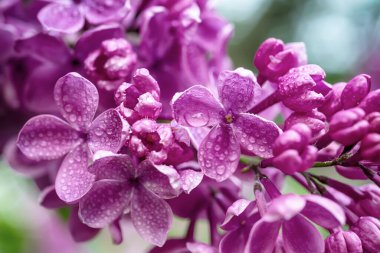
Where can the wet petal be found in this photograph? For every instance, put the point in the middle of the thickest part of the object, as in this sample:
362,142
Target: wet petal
161,180
324,212
190,174
77,99
46,137
219,153
79,231
199,247
151,216
263,236
371,103
236,89
73,179
65,18
104,203
255,134
197,107
105,132
116,167
236,213
301,236
355,90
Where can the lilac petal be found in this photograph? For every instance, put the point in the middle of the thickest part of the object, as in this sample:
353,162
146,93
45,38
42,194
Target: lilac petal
46,137
351,172
219,153
355,90
171,246
371,103
116,232
79,231
197,135
116,167
102,11
323,211
104,203
161,180
262,237
77,99
190,174
105,132
236,213
305,102
92,40
197,107
73,180
199,247
61,18
235,241
301,236
255,134
151,216
49,198
284,207
236,89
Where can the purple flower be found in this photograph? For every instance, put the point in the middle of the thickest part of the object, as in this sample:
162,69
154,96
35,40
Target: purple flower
121,185
111,64
298,234
219,152
47,137
274,59
370,147
343,242
355,90
292,152
368,230
69,17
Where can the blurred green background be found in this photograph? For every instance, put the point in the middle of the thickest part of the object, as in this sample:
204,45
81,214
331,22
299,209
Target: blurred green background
340,35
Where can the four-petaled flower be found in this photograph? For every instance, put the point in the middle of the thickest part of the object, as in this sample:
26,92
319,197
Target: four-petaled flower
219,152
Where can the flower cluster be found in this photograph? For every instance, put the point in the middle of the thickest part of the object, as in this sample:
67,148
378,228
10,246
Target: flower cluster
131,111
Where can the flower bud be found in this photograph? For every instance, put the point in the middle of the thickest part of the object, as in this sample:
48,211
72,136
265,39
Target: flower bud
348,127
315,120
368,230
343,242
356,89
370,147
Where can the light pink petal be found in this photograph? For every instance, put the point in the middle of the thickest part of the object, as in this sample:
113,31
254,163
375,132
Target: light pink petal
301,236
79,231
256,135
151,216
104,203
236,89
262,237
199,247
105,132
219,153
65,18
161,180
73,179
116,167
190,174
197,107
236,213
323,211
46,137
284,207
77,99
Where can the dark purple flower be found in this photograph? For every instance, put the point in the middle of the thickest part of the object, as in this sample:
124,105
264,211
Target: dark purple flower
343,242
122,185
47,137
219,152
368,230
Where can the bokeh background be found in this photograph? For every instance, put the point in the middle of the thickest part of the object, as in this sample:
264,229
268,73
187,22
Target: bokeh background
342,36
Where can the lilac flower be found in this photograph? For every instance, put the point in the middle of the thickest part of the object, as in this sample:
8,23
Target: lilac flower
219,152
298,234
292,152
274,59
370,147
122,185
69,17
344,242
47,137
368,230
111,64
355,90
